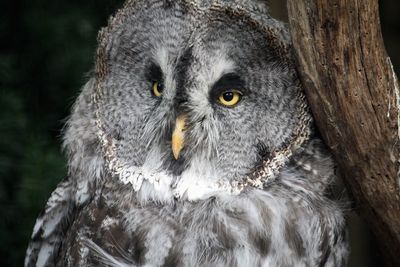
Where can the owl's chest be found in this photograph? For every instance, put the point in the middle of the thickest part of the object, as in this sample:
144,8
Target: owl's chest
182,234
273,227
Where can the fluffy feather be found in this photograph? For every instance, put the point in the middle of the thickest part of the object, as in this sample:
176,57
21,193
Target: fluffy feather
128,202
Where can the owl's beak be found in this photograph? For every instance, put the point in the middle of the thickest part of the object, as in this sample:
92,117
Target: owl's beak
178,136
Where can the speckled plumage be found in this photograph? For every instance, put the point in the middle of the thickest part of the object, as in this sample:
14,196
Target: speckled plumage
174,217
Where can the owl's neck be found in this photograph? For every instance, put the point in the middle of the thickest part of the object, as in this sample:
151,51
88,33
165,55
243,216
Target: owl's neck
193,184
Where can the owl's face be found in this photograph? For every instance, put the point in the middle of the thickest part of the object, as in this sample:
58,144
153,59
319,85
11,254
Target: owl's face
195,95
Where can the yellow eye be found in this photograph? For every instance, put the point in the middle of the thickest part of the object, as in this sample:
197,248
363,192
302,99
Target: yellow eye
230,98
157,89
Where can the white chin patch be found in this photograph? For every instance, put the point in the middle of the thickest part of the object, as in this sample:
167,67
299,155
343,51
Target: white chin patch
199,181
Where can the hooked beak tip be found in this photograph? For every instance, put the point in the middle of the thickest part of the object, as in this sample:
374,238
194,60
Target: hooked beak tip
176,154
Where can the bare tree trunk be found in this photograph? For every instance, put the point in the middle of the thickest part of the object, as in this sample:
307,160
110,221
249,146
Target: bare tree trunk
355,98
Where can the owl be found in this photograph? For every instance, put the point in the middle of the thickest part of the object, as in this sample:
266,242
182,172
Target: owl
192,144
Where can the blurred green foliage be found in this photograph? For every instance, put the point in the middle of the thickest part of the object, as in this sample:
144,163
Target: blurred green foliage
45,50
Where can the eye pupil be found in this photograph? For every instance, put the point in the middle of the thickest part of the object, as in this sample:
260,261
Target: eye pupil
157,89
160,87
228,96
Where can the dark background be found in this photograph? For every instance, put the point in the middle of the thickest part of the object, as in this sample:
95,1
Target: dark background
46,49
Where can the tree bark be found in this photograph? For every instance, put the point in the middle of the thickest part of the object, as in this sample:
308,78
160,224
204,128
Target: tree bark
355,98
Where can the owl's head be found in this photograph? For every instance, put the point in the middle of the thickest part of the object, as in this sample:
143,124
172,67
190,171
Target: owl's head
191,93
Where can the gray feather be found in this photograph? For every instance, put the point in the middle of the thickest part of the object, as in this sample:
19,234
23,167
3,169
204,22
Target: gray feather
128,202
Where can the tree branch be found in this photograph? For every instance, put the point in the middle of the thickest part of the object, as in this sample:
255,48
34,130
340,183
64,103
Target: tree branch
355,98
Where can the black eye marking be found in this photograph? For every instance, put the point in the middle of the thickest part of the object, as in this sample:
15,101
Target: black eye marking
227,83
154,74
